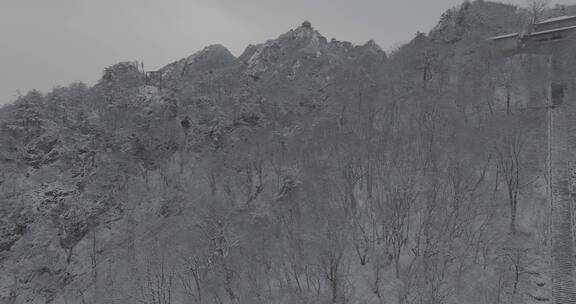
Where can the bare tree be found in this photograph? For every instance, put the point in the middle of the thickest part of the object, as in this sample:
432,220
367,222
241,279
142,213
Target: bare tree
158,284
509,165
516,258
333,260
396,204
335,266
536,9
192,278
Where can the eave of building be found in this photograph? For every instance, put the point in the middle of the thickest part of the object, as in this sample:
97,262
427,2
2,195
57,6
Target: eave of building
556,30
556,19
561,29
503,36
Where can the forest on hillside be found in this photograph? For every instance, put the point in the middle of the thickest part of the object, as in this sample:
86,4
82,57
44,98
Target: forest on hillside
306,170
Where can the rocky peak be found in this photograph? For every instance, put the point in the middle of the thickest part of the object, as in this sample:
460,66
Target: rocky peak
304,41
372,47
212,57
293,51
304,33
211,52
125,73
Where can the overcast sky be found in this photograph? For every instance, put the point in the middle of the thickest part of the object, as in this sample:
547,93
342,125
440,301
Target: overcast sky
44,43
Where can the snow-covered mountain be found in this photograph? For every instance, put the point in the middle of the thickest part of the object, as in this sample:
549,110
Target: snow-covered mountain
305,170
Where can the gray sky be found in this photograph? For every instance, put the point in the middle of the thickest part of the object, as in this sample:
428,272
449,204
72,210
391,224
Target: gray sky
44,43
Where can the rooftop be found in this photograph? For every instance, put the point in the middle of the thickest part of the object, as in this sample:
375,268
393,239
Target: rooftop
556,19
544,22
560,29
503,36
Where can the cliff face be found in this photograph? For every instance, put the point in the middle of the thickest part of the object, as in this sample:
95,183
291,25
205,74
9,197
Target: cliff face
302,171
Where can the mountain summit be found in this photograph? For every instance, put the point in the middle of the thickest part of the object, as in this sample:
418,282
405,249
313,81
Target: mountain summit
283,69
288,50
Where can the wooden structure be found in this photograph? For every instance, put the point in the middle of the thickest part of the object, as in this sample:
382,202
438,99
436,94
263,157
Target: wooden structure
540,38
553,38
